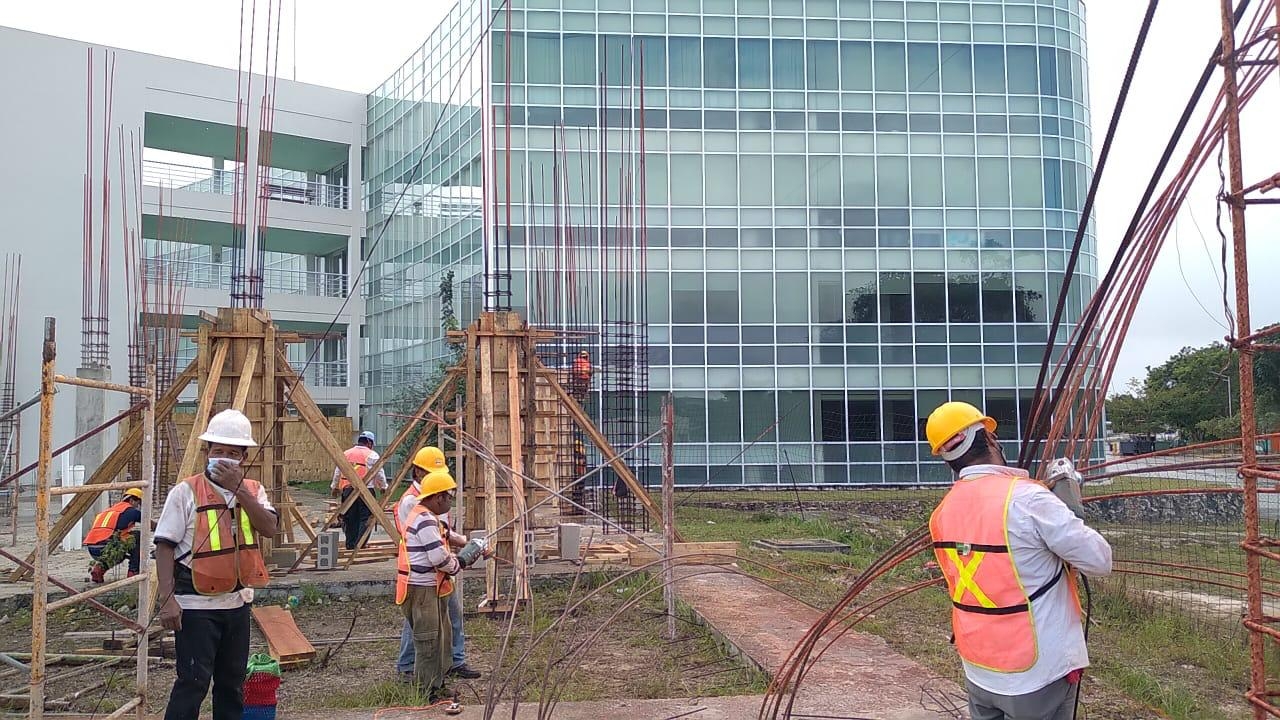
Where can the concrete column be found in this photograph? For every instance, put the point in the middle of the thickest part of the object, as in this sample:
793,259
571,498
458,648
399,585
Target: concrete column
90,413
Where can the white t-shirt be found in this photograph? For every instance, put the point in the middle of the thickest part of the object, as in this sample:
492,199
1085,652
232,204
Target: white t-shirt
177,526
1043,532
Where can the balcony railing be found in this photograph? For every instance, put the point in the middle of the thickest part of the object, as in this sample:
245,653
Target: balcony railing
281,185
325,373
195,273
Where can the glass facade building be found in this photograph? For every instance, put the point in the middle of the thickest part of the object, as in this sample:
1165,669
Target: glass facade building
857,209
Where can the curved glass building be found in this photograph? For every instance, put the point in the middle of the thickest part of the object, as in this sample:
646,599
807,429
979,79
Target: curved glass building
855,209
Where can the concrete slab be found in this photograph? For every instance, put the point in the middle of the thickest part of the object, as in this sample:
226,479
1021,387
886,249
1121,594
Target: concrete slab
860,675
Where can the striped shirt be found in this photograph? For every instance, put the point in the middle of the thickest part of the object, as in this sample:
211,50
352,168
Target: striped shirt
427,551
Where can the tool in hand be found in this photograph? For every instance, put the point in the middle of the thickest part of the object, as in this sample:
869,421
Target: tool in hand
1064,481
472,551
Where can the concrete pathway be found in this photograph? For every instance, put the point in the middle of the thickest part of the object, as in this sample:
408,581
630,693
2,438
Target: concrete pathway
859,676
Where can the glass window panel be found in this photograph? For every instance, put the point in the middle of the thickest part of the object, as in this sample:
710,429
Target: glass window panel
899,415
861,298
855,65
824,181
722,179
616,57
719,64
788,64
926,182
722,297
962,298
895,297
957,68
654,52
891,181
793,297
830,416
687,298
827,304
922,66
759,415
756,193
864,416
930,297
691,416
859,181
997,298
1027,183
1029,298
823,67
793,409
993,182
753,63
988,68
1053,184
580,59
685,55
1064,73
757,298
658,296
1048,72
686,179
544,58
1021,60
891,66
789,179
500,58
724,413
961,190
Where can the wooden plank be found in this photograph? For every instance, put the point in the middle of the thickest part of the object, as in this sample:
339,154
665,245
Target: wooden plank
714,553
517,467
285,641
207,393
618,464
246,377
486,439
111,466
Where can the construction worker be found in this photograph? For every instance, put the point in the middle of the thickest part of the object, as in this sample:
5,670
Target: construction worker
1003,542
582,372
425,567
427,460
208,559
363,458
114,536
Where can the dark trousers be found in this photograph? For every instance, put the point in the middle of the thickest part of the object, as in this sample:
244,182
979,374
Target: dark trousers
212,645
111,553
355,519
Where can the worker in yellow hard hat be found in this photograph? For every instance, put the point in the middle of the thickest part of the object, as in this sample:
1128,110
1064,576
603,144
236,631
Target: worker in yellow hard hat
1004,543
114,536
427,461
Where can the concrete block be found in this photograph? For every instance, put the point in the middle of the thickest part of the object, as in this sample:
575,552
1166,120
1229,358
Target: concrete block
570,541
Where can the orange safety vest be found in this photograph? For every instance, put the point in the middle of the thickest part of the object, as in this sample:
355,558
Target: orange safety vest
991,609
395,510
104,524
220,561
444,582
359,457
582,368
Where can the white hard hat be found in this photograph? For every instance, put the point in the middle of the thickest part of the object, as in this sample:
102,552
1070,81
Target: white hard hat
229,427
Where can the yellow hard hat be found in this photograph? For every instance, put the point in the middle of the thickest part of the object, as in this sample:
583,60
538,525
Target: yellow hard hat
430,458
435,482
133,493
950,419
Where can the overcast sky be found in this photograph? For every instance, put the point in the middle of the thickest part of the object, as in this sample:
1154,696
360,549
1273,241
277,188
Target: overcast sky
356,46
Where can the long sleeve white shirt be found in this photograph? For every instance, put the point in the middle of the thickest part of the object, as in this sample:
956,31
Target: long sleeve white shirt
376,481
1044,533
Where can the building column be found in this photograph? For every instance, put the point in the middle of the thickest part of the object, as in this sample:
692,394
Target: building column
90,413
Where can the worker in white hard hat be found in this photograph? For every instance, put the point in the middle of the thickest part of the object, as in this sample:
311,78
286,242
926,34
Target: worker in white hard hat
362,457
1004,543
208,560
114,536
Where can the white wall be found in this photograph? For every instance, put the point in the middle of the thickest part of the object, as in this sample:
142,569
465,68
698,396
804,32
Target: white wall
42,147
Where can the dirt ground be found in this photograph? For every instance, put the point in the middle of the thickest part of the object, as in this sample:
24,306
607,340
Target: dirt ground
630,659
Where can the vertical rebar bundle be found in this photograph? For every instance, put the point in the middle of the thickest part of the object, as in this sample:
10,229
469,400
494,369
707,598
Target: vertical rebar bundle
10,286
95,286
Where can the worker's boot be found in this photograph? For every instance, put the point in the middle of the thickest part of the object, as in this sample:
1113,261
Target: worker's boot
97,573
464,672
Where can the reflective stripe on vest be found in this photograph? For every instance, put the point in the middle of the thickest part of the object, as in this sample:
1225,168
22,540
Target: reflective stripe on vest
358,456
994,628
221,562
104,524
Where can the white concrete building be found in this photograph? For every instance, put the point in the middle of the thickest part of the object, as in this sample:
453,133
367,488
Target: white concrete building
185,114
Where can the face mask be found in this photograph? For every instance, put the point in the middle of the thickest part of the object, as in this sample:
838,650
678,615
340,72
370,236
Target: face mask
213,463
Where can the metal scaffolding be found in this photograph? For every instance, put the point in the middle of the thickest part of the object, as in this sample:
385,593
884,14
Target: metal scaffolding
41,605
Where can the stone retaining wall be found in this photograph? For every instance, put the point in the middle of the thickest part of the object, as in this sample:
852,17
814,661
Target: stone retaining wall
1196,509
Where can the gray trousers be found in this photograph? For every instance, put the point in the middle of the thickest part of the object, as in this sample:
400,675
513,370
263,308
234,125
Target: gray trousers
1055,701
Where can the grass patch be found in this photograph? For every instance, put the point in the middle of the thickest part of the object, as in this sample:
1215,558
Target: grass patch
388,693
319,487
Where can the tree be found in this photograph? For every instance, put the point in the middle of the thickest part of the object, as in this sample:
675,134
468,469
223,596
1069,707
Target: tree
1131,413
